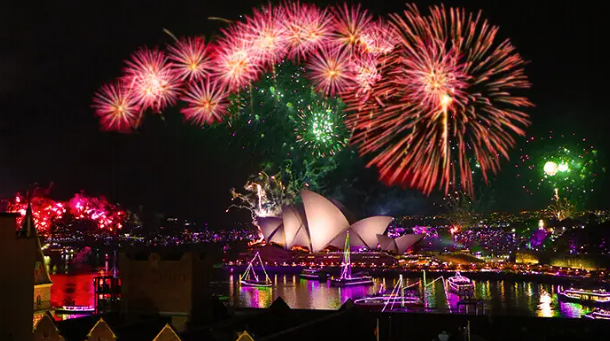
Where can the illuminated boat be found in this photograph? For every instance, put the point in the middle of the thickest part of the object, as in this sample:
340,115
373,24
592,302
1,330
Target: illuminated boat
346,278
598,314
75,309
398,300
383,300
251,279
460,284
585,296
379,302
314,274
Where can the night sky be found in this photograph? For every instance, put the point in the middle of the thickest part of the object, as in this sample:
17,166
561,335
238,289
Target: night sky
56,54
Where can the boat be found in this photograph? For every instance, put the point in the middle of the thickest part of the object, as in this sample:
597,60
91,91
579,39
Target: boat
598,314
460,284
382,300
313,274
346,278
251,279
75,310
599,296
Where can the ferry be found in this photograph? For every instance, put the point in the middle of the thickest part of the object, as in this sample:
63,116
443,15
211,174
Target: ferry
347,279
251,279
598,314
314,274
75,310
585,296
460,284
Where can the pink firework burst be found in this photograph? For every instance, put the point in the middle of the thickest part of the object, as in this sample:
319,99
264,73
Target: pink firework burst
330,70
152,78
366,74
307,27
116,106
265,34
207,102
235,64
191,58
378,37
350,22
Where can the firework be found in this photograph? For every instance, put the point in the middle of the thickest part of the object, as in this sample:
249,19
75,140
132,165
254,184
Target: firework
349,24
321,128
446,102
47,212
264,32
106,216
330,71
307,28
152,79
235,64
116,107
378,37
365,75
562,162
191,58
207,103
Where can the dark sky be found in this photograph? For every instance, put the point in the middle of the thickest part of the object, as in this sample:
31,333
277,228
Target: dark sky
56,54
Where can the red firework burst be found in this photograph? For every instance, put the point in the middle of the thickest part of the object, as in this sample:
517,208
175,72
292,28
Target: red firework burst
235,64
208,103
330,71
307,28
446,102
153,81
191,58
264,32
349,24
116,107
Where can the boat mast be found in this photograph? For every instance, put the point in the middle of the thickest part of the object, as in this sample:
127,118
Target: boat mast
346,272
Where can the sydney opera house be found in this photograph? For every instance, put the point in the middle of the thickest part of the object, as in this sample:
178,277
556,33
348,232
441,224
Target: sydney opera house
318,224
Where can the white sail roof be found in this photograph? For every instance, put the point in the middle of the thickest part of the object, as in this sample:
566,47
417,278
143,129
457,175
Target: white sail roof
269,225
324,219
321,223
294,229
368,229
405,242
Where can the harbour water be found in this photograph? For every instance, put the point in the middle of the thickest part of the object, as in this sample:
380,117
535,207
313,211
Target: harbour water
499,297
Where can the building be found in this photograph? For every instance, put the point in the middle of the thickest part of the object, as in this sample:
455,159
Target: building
318,224
174,285
400,244
42,280
28,279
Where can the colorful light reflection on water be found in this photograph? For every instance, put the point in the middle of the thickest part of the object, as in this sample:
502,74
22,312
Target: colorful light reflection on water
500,297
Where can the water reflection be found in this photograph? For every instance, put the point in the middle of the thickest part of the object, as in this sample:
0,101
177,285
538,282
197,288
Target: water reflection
499,297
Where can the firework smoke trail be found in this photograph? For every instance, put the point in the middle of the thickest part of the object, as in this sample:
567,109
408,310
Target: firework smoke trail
445,99
116,107
207,103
